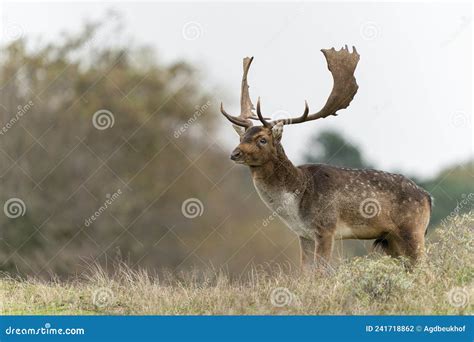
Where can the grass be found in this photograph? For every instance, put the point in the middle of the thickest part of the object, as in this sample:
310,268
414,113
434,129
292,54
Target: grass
442,284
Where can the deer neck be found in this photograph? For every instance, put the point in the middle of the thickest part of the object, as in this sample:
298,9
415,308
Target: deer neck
278,174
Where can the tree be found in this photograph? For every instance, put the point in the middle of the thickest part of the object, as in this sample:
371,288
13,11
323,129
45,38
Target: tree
453,192
330,147
101,147
84,122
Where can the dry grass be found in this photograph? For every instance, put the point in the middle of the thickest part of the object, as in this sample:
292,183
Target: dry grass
370,285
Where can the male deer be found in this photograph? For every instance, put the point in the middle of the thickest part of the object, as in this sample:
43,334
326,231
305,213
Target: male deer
319,202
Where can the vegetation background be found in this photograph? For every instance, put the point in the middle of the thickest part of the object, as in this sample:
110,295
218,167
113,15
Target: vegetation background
160,150
63,168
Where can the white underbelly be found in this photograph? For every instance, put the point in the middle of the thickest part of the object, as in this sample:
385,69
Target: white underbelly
345,231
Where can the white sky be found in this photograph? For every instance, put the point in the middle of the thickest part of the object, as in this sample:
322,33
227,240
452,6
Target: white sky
413,110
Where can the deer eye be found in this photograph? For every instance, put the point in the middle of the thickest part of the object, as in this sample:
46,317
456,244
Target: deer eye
263,141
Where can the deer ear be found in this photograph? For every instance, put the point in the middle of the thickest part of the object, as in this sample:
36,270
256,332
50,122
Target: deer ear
240,130
277,130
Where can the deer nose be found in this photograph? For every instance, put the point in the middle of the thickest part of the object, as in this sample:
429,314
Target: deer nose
236,154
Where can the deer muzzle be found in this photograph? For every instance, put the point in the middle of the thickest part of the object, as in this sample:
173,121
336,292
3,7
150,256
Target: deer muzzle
236,155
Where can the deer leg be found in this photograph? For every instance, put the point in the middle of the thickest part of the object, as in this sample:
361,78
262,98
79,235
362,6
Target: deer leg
387,245
412,243
323,251
307,252
407,242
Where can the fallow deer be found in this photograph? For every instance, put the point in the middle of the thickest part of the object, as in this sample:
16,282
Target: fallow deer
320,202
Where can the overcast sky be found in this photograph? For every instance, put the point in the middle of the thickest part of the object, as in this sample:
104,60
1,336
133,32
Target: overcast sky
413,110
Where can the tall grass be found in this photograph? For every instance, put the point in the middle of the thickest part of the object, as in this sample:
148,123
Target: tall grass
441,284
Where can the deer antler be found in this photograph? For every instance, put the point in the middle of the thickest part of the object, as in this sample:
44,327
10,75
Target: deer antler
246,106
342,65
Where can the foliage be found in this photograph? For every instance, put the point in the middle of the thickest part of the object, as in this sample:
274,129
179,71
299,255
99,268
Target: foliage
332,148
453,192
159,150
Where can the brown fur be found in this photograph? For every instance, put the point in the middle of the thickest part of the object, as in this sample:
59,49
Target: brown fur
330,202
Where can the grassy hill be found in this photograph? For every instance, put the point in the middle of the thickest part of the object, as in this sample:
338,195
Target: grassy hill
442,284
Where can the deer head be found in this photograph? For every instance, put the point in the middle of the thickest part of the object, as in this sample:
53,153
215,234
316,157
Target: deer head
259,144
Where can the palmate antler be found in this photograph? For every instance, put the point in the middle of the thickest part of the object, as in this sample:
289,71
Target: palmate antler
341,64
